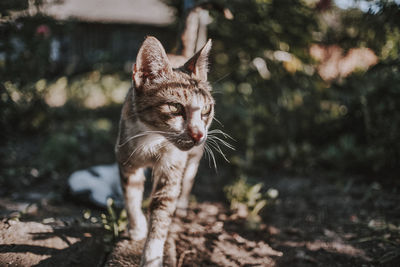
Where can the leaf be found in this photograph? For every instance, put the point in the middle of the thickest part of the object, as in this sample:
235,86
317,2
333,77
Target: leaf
257,208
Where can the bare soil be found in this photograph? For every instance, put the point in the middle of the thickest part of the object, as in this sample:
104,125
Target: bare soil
314,222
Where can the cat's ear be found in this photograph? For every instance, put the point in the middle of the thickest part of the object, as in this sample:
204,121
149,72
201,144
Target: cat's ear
151,62
198,64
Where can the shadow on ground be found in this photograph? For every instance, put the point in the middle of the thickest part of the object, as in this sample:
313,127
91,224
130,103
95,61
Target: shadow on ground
314,222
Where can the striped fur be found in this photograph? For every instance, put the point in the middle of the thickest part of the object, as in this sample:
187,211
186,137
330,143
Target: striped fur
164,123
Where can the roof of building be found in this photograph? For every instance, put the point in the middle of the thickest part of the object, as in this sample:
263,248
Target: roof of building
150,12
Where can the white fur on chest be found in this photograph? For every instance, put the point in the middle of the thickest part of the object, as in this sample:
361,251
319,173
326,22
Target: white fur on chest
145,146
151,145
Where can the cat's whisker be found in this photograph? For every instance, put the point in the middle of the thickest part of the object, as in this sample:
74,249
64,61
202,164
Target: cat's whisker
222,142
131,138
208,156
215,92
143,134
218,121
217,148
219,131
160,148
212,157
133,152
218,141
220,79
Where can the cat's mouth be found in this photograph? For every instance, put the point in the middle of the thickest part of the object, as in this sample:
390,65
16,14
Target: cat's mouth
185,143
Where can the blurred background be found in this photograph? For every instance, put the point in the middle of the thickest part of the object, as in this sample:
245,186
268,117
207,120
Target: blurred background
303,86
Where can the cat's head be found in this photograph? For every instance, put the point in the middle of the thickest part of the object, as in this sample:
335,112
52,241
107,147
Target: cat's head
175,101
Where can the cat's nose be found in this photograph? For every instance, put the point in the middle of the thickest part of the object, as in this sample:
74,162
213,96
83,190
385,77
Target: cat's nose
196,135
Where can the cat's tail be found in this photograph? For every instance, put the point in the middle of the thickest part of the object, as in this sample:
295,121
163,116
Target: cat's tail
194,34
97,184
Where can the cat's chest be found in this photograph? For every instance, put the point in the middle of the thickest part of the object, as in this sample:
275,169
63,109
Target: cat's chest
146,150
151,146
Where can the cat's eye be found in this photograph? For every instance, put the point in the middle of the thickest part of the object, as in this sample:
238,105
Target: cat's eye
206,110
175,108
172,108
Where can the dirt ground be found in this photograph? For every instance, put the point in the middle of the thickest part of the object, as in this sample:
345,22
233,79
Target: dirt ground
314,222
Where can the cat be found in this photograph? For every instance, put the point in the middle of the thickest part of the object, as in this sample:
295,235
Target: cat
164,124
99,183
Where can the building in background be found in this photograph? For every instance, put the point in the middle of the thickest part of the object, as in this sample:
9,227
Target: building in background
109,32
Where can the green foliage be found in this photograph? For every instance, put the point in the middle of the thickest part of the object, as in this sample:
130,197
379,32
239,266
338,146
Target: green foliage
115,223
270,98
26,48
377,29
270,111
58,149
240,192
247,200
371,129
79,133
282,114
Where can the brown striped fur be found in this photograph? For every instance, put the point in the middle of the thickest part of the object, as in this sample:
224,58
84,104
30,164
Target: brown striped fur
164,123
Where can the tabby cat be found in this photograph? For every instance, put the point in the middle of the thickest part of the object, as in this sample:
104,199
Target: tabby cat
164,124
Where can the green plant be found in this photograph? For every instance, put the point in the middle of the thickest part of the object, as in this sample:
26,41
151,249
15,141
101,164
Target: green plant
113,222
247,200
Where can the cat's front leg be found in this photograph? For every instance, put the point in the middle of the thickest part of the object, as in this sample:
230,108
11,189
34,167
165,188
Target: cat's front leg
132,182
168,174
188,180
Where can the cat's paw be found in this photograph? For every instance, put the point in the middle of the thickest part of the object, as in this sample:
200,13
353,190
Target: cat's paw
181,212
182,207
153,253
